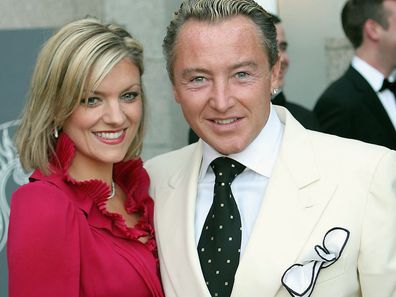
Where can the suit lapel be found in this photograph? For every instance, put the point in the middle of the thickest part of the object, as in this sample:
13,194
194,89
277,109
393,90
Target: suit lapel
292,205
175,227
370,99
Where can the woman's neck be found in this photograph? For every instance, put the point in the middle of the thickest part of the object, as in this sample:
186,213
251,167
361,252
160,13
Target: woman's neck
83,168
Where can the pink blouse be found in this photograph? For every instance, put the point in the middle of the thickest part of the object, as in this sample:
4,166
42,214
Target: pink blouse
63,242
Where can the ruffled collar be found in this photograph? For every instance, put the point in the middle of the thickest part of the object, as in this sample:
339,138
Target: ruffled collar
129,175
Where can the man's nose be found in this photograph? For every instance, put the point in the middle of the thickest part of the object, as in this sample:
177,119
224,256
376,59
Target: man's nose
221,100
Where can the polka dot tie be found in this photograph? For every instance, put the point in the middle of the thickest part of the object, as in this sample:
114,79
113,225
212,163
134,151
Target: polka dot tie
220,243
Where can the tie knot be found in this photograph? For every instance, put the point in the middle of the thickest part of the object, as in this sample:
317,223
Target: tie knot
226,169
387,85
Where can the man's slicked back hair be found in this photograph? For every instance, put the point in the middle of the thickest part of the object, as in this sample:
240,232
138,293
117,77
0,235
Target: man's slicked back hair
214,11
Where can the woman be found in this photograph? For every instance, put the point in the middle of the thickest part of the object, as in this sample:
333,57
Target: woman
83,225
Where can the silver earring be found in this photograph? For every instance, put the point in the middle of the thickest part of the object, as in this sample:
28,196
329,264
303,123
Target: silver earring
56,134
275,91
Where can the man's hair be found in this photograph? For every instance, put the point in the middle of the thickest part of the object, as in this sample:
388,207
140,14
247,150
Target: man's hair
356,12
215,11
276,19
71,64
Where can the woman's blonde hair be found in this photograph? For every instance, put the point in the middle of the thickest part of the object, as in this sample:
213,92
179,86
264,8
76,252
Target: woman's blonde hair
73,61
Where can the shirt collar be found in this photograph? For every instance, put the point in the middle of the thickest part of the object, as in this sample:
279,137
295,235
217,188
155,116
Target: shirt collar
260,155
372,75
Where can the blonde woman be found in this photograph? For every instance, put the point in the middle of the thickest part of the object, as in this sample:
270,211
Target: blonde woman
83,225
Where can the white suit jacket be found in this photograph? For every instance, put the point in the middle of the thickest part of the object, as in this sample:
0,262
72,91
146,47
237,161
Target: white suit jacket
319,182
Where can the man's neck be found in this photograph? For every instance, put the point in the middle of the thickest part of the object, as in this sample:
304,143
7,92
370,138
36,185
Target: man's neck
375,59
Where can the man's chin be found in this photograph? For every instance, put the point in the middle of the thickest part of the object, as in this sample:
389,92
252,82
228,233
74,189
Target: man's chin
228,148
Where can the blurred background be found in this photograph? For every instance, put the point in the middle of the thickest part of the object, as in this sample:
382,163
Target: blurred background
318,53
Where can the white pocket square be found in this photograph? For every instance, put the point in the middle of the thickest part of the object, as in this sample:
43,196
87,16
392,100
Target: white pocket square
300,279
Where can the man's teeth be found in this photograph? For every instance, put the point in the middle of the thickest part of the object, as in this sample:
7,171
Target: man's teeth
226,121
107,135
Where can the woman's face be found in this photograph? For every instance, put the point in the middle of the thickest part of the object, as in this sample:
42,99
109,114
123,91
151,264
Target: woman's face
106,121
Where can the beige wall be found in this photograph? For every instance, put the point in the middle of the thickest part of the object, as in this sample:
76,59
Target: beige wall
24,14
270,5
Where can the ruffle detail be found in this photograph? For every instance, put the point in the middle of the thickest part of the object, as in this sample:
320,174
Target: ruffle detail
129,175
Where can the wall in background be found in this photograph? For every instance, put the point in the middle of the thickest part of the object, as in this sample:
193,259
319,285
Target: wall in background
25,14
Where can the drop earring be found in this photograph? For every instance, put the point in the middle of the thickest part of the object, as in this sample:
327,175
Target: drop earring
56,133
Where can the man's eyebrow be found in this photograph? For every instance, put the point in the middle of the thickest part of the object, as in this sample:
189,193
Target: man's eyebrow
244,64
187,72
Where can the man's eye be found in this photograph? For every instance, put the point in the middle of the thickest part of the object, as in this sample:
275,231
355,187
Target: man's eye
91,101
130,96
242,74
198,79
282,46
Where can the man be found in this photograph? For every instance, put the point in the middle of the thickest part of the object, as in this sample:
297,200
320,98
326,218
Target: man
304,116
311,214
361,104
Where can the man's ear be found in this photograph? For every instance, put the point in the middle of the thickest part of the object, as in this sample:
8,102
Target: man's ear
275,74
372,30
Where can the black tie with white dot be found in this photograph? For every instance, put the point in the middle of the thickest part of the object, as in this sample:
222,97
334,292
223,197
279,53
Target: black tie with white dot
220,243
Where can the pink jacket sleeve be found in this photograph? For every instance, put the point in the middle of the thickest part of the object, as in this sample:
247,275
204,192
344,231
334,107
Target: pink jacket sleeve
43,243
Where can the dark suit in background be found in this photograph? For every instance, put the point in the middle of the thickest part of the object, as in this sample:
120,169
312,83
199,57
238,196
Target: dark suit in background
306,117
349,107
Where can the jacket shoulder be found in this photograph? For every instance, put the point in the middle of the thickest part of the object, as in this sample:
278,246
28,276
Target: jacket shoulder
349,86
169,163
347,155
338,88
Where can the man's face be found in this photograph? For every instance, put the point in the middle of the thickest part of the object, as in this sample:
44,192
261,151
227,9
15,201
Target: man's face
283,56
222,81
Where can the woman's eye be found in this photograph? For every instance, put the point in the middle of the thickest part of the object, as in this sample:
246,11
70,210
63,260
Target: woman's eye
91,101
130,96
242,74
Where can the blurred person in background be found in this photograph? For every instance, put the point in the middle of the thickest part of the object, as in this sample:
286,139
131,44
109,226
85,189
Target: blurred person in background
306,117
361,104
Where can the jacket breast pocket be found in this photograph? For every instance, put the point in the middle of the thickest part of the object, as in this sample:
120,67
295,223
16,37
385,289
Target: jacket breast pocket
333,271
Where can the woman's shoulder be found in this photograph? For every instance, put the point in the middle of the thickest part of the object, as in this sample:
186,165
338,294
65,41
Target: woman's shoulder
40,194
